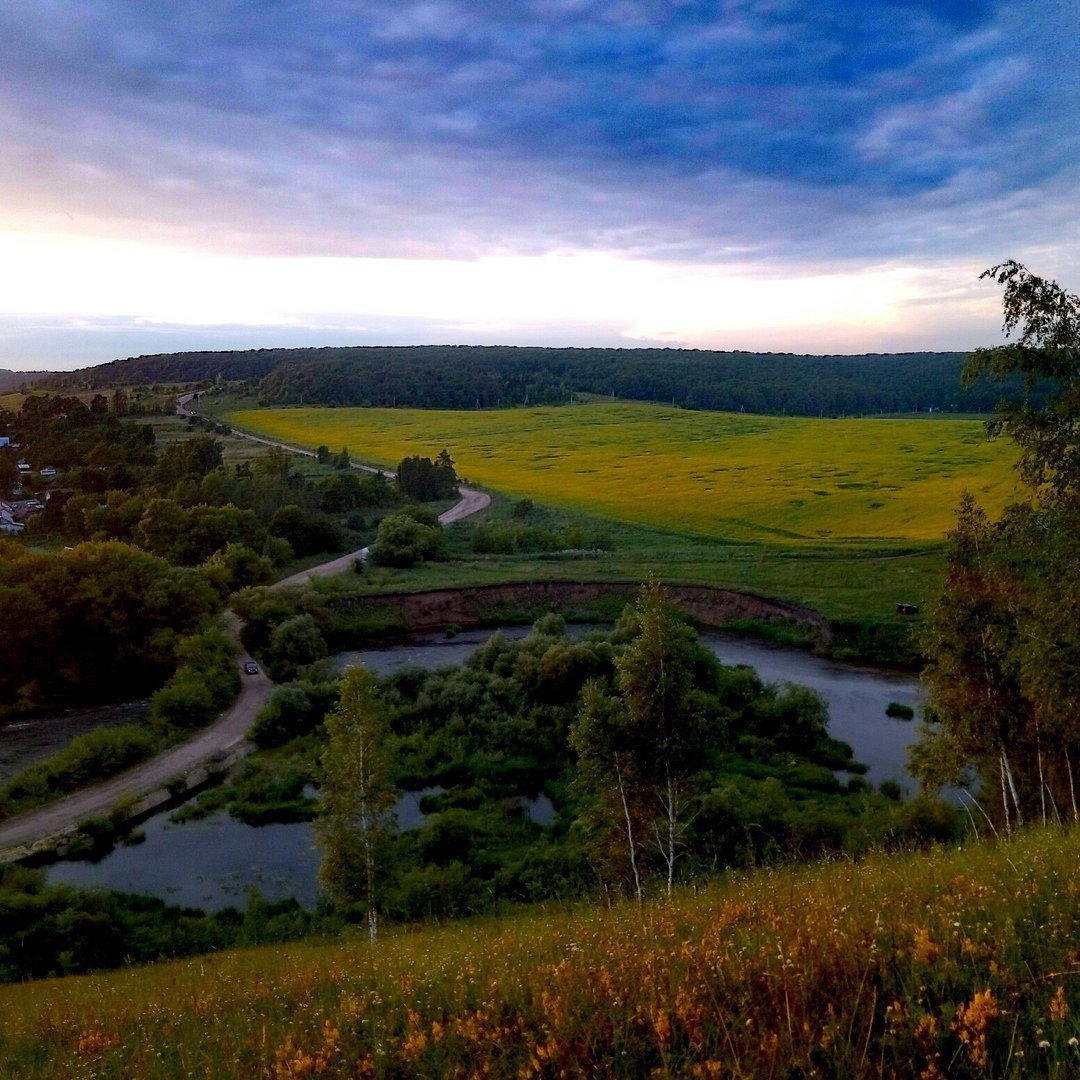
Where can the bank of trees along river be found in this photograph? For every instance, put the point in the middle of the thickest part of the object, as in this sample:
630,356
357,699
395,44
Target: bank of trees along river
1004,641
747,772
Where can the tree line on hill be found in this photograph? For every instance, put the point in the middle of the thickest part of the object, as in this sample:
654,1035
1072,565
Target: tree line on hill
468,377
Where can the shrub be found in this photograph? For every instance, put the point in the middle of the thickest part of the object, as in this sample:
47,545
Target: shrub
294,644
403,541
94,756
204,684
294,709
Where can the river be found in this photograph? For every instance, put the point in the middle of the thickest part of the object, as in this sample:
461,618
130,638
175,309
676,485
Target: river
215,862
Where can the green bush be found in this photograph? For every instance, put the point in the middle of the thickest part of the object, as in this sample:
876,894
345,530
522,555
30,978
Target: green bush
89,758
294,644
205,683
294,709
518,537
403,541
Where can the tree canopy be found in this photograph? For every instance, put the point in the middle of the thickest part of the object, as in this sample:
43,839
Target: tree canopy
1003,640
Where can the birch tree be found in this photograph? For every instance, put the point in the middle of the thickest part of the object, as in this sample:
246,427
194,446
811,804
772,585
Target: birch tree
639,746
357,797
1003,640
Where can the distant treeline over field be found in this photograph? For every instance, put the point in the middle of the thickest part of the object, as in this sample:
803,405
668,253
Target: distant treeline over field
471,376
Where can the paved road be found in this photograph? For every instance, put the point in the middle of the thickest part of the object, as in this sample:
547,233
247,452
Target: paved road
62,816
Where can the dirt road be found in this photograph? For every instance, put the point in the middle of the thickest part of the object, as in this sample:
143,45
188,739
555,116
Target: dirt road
472,502
60,818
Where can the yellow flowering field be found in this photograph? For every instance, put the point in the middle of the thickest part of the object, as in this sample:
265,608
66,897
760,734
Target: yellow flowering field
718,475
957,963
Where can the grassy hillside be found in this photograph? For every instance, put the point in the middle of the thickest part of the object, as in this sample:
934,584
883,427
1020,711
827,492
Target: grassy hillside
723,476
957,963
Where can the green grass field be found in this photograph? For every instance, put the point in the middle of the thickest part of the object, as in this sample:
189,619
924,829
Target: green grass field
948,963
726,477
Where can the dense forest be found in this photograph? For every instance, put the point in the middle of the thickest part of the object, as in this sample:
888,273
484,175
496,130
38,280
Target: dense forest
467,377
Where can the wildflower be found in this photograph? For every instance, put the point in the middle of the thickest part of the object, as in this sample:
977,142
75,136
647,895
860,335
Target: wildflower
924,950
708,1070
94,1042
661,1022
414,1045
972,1022
1058,1009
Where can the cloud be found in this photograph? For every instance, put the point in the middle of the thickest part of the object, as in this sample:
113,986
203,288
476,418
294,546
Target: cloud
781,141
463,128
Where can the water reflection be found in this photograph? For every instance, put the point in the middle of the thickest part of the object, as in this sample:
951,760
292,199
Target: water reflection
215,862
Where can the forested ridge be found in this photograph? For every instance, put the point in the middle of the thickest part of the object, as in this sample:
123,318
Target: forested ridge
470,376
14,380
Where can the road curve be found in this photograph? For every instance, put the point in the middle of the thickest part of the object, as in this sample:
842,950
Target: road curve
472,502
60,818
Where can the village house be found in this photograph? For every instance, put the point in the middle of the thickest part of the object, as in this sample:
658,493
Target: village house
8,525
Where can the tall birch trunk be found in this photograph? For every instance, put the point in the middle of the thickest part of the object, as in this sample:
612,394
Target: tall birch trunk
629,830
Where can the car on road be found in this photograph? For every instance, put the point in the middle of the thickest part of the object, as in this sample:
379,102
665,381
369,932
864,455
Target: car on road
251,668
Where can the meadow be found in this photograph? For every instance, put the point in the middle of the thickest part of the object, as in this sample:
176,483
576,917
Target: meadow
728,477
957,963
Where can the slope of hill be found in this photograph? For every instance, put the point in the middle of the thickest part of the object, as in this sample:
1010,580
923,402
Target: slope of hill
15,380
731,477
958,963
456,377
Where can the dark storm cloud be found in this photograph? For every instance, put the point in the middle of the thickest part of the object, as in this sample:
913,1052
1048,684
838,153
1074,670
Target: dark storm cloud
673,129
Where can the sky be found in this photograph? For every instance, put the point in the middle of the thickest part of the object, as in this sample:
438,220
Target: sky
775,175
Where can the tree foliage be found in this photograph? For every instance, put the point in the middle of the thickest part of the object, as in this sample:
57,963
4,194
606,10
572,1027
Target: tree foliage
639,744
1003,641
357,794
424,480
93,620
404,541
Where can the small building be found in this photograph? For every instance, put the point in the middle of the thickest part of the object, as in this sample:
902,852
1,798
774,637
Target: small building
907,609
8,525
47,473
21,509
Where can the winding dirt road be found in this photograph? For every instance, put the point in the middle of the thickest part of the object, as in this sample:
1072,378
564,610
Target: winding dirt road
46,825
471,502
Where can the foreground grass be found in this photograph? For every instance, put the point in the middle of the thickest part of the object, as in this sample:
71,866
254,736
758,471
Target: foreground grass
957,963
737,478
